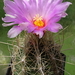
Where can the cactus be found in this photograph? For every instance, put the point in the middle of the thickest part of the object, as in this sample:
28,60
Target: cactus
34,56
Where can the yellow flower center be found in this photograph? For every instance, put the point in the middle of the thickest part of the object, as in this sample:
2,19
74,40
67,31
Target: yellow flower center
38,21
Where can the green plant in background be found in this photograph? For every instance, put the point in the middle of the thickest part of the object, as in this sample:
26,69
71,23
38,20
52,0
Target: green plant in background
62,22
2,58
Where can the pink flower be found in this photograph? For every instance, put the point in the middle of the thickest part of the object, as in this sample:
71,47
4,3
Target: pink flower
34,16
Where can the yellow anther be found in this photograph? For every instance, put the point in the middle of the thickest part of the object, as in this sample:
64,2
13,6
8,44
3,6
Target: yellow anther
38,21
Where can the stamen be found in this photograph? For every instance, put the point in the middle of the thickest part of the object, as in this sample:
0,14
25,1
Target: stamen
38,17
38,21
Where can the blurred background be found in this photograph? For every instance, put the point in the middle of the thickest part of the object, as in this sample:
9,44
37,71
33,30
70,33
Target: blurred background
68,47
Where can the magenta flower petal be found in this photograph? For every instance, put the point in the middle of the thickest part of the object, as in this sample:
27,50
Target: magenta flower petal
31,28
39,33
63,14
34,16
8,19
14,31
19,3
55,19
63,6
55,27
57,2
60,8
24,26
7,24
10,5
